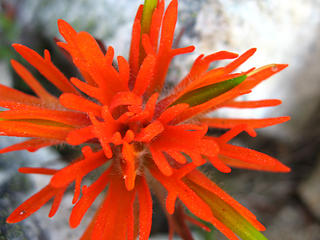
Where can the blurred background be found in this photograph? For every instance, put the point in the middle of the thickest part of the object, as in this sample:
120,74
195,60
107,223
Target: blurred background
283,31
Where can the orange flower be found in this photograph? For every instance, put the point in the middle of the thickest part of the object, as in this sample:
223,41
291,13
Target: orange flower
140,137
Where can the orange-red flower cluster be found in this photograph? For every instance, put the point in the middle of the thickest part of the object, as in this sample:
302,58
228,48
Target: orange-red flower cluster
139,136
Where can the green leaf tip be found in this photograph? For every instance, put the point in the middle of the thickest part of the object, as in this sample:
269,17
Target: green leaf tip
148,8
206,93
227,214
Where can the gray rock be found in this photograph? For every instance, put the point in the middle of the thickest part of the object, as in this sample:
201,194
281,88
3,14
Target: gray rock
11,192
309,191
290,223
16,187
108,20
5,74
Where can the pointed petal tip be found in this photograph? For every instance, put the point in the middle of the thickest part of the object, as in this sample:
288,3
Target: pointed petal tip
107,152
64,27
11,220
129,183
253,50
261,228
227,54
284,169
61,22
225,170
73,221
280,120
17,46
168,172
192,48
280,167
51,214
231,55
7,149
286,118
13,62
281,66
249,53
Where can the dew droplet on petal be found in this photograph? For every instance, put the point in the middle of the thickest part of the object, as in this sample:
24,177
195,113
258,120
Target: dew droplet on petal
22,213
274,68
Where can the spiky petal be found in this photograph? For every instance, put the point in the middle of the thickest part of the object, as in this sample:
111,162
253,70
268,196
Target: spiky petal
134,136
